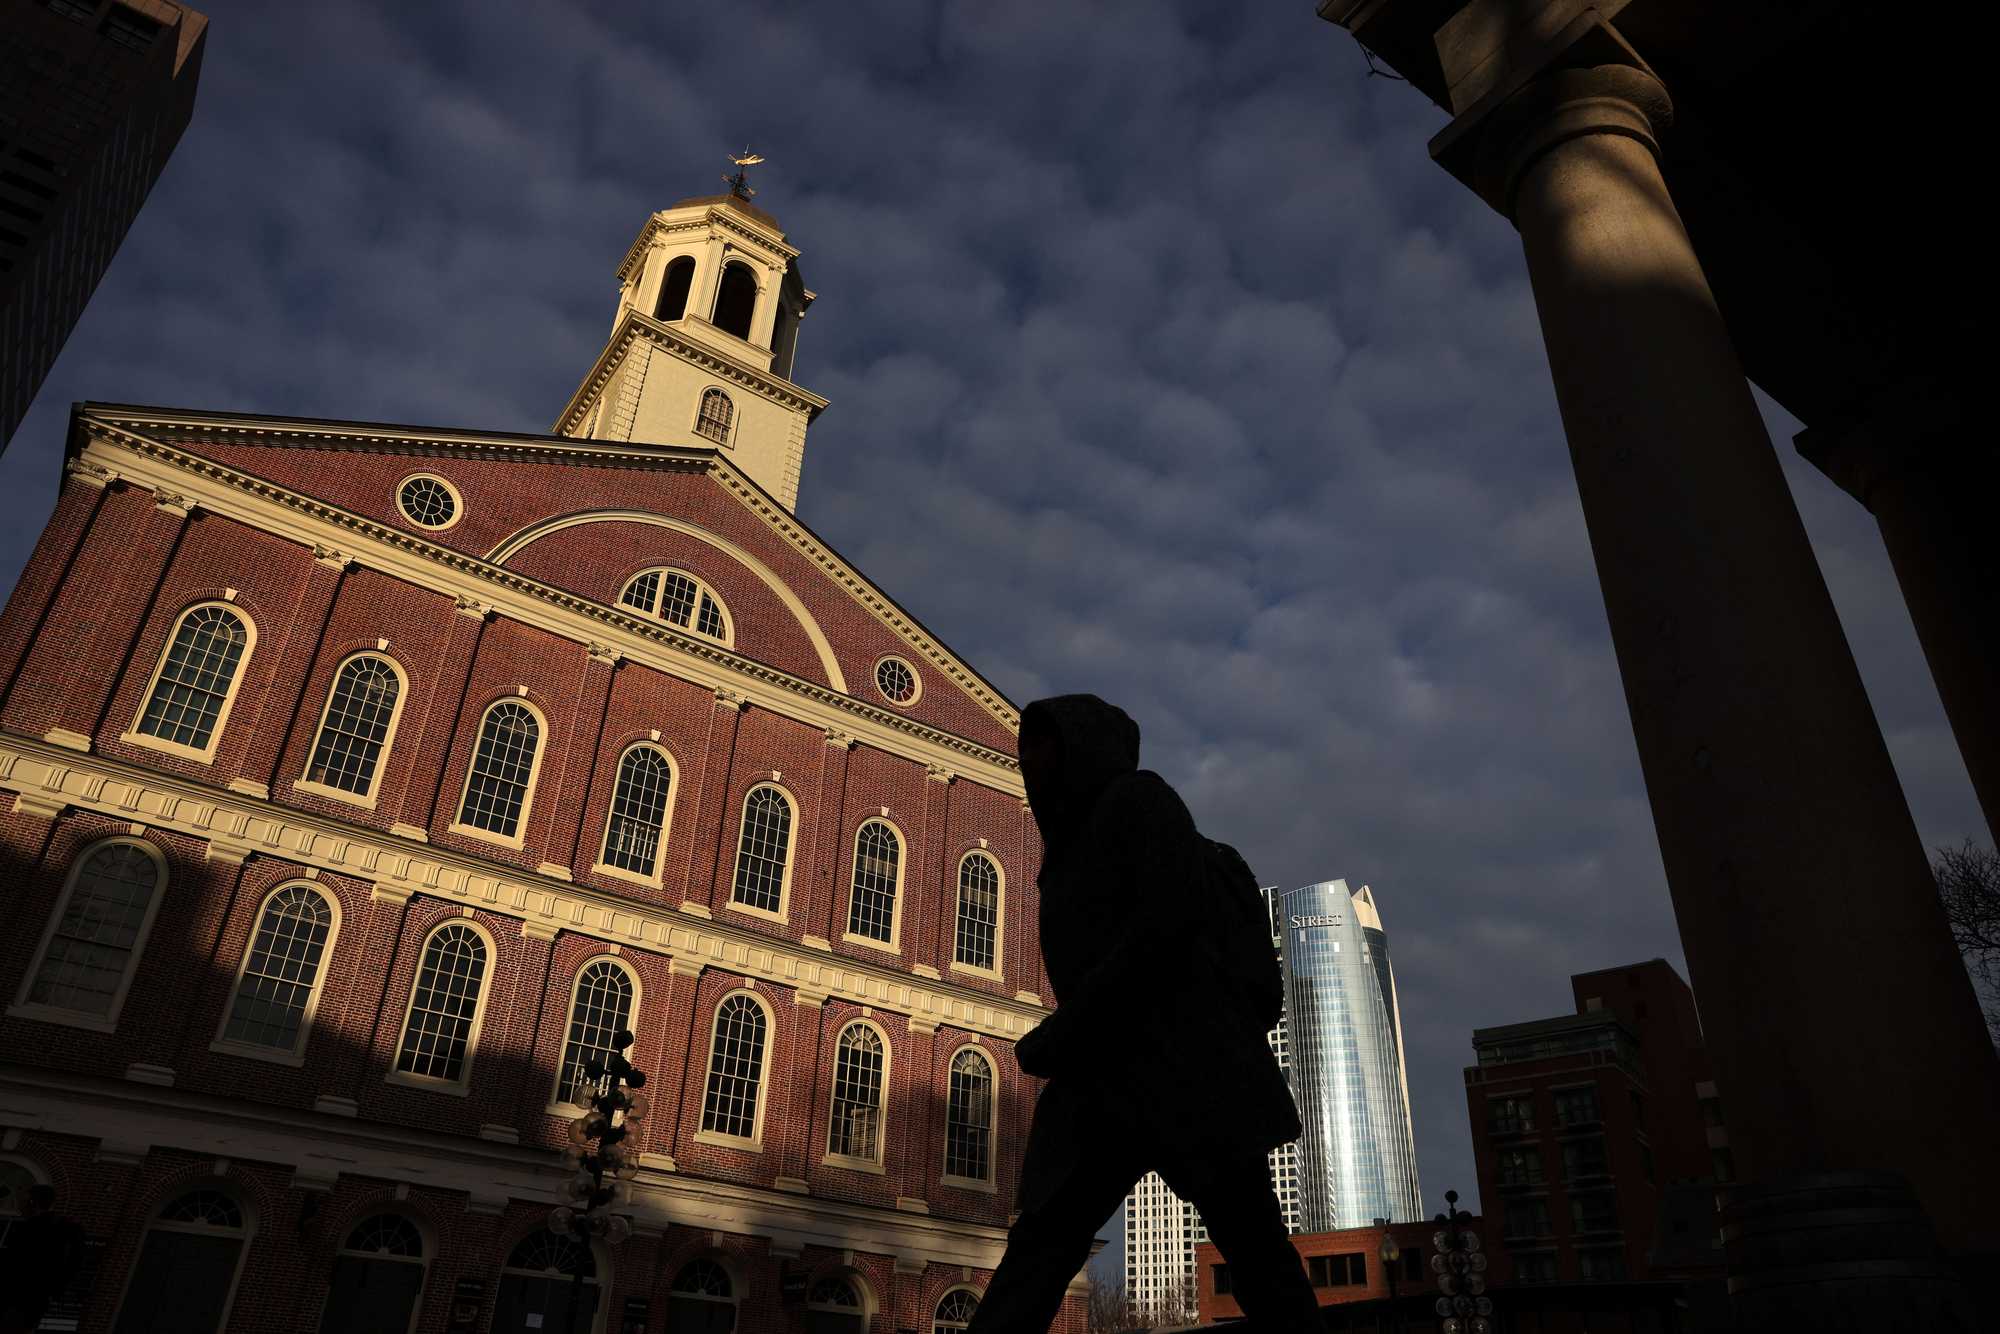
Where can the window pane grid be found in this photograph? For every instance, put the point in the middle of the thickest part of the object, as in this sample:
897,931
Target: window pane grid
710,621
427,501
735,1069
603,1006
857,1094
762,849
356,727
968,1124
386,1234
677,598
643,592
955,1312
872,910
978,910
716,410
501,769
195,679
439,1031
638,811
270,1005
91,949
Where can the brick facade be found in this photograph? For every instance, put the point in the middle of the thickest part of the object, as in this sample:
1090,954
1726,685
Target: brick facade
294,528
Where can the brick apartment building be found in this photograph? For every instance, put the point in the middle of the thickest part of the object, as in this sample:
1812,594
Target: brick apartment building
1346,1269
358,780
94,95
1598,1136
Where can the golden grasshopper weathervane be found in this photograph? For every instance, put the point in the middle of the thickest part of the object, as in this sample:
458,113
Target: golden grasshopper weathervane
739,184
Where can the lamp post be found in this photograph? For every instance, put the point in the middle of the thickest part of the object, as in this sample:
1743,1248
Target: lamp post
598,1148
1460,1268
1391,1253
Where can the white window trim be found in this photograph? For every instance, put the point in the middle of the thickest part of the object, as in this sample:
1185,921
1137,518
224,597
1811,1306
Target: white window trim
666,818
755,1141
23,1008
870,1304
203,755
557,1106
728,440
460,1087
600,1258
369,798
894,945
256,1051
875,680
851,1161
519,837
422,1262
783,914
154,1223
997,972
457,502
702,586
978,1299
988,1184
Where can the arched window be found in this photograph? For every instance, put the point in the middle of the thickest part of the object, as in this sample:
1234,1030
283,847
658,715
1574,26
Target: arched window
702,1300
91,950
196,680
736,300
954,1311
638,819
854,1130
968,1118
763,850
444,1012
878,857
355,729
735,1070
976,941
599,1007
16,1180
378,1278
674,285
500,783
716,415
537,1283
185,1278
273,1005
678,598
834,1306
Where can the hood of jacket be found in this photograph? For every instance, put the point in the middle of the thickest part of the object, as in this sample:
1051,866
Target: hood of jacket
1099,744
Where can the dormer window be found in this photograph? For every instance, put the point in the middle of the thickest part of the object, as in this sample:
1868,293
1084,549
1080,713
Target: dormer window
717,412
678,598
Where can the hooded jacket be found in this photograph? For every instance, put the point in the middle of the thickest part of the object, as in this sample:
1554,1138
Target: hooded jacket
1142,1018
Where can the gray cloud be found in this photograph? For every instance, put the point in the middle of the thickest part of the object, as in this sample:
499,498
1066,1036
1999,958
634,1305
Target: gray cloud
1163,364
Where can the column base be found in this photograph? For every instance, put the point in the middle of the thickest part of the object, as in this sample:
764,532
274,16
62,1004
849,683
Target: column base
1838,1250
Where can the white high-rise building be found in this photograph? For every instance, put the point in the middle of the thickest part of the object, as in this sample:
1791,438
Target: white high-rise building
1162,1229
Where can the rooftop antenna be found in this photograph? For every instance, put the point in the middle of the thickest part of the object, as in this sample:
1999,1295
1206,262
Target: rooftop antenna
739,184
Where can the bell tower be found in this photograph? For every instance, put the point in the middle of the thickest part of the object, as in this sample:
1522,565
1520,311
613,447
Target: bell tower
704,342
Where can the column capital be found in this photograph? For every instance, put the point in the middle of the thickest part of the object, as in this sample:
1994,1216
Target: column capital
471,606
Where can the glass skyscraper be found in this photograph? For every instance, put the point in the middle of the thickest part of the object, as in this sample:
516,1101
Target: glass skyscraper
1357,1159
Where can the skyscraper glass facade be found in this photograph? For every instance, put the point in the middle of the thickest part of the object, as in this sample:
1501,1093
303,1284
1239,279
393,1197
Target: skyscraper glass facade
1357,1159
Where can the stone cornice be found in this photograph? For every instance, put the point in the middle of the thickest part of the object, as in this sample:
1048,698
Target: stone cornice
320,1147
635,326
314,523
46,776
669,221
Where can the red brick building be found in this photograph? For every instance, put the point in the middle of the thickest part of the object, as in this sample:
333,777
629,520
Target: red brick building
1598,1136
357,781
1346,1268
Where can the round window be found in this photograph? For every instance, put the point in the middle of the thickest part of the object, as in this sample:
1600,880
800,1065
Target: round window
897,680
428,502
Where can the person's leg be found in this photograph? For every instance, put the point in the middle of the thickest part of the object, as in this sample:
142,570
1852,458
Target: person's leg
1070,1184
1243,1218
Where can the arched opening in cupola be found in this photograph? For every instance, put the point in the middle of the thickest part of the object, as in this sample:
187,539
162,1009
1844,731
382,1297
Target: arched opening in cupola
674,287
736,300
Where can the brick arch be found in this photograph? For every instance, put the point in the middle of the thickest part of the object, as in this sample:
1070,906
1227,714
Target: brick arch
259,1201
734,1259
764,574
337,1223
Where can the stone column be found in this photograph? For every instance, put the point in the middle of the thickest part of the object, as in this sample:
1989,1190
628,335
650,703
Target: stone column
1931,488
1845,1033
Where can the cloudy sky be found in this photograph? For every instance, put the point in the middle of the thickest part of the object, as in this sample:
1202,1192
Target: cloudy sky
1163,364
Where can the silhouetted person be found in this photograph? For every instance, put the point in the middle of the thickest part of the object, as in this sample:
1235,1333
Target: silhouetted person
42,1252
1155,1059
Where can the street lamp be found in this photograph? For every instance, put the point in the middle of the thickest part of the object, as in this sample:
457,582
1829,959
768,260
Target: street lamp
1460,1267
598,1148
1391,1253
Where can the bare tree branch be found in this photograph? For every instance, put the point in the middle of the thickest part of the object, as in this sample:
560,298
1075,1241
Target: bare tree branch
1968,879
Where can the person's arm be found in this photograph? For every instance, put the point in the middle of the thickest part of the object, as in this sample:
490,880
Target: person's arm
1153,842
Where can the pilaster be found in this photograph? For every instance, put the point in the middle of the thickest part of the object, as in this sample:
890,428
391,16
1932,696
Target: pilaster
55,552
712,796
580,753
360,1025
821,861
443,704
298,652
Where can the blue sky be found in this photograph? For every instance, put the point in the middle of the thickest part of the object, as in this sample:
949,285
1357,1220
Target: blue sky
1163,364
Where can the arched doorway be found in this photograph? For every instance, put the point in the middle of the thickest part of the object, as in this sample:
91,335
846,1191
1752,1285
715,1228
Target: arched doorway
537,1283
836,1304
702,1300
185,1277
378,1278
